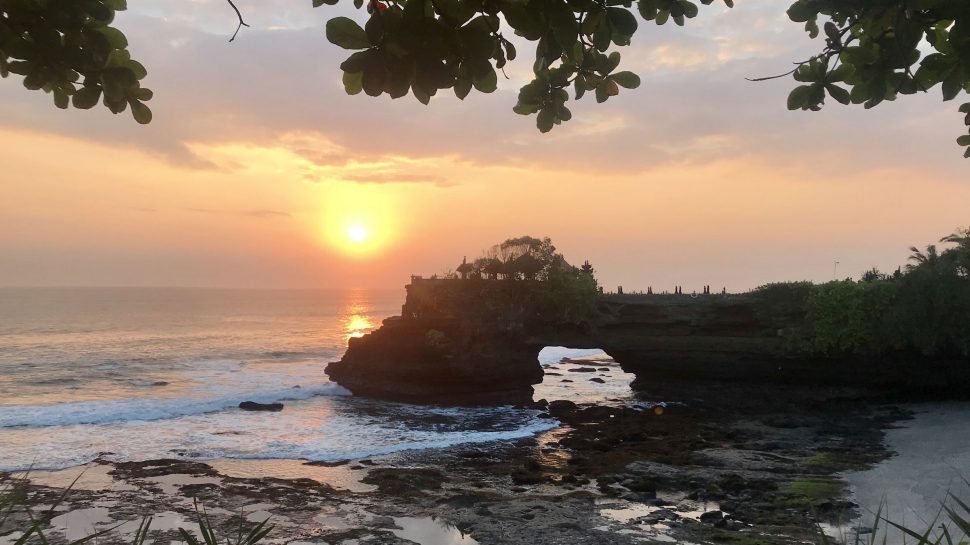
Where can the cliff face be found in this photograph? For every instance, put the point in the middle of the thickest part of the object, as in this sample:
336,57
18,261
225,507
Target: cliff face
455,342
476,341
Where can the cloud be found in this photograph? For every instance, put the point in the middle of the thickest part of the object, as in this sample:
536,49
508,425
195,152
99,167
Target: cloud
260,213
280,88
252,213
397,178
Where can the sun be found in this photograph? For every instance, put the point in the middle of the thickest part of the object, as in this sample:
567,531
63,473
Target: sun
357,233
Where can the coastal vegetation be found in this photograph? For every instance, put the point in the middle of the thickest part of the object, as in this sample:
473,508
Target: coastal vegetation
922,311
918,311
871,51
531,273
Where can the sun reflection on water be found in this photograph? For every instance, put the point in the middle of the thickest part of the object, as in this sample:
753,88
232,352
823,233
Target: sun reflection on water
357,325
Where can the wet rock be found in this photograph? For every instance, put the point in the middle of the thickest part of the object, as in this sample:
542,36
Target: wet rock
712,516
463,500
253,406
327,463
583,370
659,515
597,379
522,476
561,407
405,481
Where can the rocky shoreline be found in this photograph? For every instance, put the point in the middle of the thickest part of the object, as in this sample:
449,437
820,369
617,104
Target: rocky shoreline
738,464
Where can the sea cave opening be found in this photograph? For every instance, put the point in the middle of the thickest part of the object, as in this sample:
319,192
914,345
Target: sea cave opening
581,375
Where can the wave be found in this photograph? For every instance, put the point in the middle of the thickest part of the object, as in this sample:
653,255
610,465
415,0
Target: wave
420,441
147,409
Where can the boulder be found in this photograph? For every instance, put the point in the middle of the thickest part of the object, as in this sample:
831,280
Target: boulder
253,406
561,407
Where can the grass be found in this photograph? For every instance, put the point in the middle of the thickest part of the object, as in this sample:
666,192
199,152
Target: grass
951,526
14,502
811,490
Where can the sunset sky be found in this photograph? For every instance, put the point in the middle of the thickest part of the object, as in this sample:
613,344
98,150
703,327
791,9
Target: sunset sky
257,165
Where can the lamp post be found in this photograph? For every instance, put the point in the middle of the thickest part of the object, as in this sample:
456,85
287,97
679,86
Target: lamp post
835,271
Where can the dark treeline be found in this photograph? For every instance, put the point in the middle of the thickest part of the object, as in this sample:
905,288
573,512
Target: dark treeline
920,311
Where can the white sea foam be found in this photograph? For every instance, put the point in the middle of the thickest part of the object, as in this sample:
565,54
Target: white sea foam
323,428
148,408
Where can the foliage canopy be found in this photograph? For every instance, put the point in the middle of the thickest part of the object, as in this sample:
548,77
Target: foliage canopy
923,312
871,50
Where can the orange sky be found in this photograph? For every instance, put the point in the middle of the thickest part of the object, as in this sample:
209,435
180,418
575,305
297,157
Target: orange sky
257,164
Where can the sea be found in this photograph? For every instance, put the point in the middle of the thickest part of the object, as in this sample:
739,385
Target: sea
130,374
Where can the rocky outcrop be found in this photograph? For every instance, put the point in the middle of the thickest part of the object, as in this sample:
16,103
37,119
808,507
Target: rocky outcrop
413,360
476,341
265,407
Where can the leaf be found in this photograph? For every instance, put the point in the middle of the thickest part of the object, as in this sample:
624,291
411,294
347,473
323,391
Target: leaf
115,37
546,119
602,93
579,86
802,11
647,9
487,83
61,99
612,88
143,93
346,33
86,97
626,79
838,93
141,113
798,98
353,82
462,87
622,20
964,140
953,83
423,97
374,77
690,9
525,109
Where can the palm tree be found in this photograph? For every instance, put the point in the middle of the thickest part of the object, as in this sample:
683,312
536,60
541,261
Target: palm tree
929,259
960,237
961,254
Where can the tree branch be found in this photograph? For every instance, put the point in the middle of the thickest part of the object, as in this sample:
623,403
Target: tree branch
241,22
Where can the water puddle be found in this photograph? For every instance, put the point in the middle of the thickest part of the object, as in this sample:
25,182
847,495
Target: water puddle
340,477
258,512
171,484
655,521
93,477
80,523
430,531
